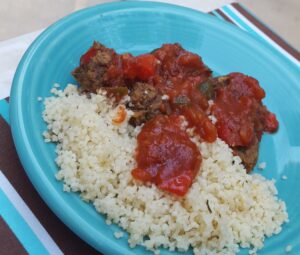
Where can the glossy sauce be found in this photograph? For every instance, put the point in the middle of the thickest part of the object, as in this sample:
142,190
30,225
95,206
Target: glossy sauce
239,112
175,72
166,156
179,77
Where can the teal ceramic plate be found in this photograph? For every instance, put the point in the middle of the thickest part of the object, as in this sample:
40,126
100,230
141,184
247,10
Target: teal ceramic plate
138,27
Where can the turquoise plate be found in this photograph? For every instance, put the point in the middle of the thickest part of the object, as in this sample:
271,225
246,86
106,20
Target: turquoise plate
138,27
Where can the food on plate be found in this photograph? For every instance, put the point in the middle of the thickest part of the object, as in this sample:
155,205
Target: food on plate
241,116
162,149
172,80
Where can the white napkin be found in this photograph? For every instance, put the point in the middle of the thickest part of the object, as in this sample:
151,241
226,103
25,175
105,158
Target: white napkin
11,52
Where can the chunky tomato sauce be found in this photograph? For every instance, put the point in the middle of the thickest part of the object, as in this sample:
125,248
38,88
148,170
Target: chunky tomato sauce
166,156
181,74
239,111
175,72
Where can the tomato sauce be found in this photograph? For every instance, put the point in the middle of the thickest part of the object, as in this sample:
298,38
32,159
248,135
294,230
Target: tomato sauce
121,115
176,73
239,111
166,156
180,74
141,67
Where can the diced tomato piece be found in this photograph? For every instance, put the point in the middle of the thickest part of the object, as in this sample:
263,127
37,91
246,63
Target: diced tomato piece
177,185
121,115
141,67
190,60
209,131
246,133
141,174
198,119
129,66
146,66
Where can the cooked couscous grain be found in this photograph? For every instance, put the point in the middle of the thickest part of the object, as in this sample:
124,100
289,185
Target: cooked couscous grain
225,208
